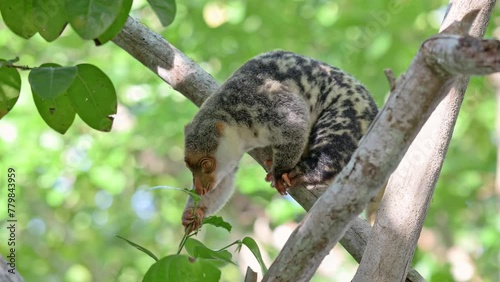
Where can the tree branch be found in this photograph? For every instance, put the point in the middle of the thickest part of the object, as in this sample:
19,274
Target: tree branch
5,275
166,61
407,196
380,151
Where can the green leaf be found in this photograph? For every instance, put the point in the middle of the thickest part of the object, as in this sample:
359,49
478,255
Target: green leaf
191,193
58,113
93,97
18,17
10,88
117,25
217,221
139,247
254,248
198,250
91,18
164,9
179,268
49,18
49,81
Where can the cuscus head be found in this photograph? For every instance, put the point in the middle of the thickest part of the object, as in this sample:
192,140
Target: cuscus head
201,139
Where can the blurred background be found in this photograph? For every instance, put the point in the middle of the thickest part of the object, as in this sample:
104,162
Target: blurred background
76,191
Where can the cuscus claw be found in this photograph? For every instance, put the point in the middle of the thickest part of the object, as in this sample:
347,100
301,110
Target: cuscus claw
286,179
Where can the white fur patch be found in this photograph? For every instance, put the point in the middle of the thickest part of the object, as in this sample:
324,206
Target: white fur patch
229,152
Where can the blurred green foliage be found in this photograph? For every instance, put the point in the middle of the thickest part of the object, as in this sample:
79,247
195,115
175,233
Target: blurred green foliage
76,191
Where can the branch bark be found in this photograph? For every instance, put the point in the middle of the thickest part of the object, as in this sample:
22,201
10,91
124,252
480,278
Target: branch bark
404,114
407,197
5,275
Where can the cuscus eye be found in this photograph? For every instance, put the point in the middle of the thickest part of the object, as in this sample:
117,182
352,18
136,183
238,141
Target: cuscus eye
207,165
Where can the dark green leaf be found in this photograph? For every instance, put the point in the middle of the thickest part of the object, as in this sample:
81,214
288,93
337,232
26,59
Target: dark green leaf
217,221
179,268
254,248
117,25
139,247
93,97
10,88
58,113
164,9
91,18
49,81
197,250
18,17
49,18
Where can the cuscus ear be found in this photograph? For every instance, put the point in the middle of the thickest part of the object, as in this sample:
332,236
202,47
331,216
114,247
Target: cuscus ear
219,128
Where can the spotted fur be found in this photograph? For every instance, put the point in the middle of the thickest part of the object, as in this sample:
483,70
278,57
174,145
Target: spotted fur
311,115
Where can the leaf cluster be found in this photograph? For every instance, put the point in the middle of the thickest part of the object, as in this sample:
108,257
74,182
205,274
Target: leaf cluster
60,93
201,262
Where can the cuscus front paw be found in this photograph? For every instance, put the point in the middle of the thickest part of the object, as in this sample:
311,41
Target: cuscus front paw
192,219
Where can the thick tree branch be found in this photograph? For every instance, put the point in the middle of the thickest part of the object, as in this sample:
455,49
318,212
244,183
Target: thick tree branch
166,61
404,114
463,55
407,196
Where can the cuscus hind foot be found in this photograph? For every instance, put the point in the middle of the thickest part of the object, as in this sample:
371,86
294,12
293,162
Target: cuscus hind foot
279,183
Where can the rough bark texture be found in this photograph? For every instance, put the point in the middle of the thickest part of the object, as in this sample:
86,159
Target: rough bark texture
189,79
407,197
5,275
411,103
166,61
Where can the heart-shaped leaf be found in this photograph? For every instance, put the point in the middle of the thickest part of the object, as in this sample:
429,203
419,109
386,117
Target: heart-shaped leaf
117,25
91,18
18,17
10,88
49,81
165,10
93,97
49,18
58,113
